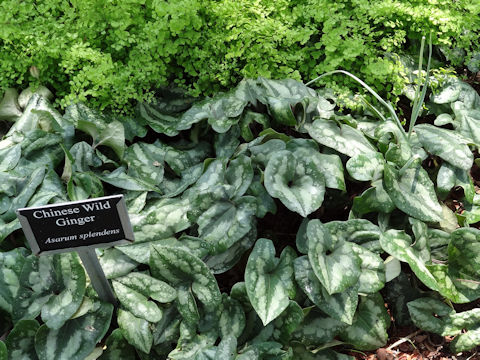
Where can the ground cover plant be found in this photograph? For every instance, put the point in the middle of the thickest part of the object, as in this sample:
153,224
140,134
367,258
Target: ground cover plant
117,52
268,224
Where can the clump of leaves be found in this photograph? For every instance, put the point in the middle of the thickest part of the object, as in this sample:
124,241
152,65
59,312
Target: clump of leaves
205,175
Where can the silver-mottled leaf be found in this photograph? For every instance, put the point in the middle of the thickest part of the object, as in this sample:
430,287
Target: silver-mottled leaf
413,193
446,144
149,287
370,324
115,263
176,265
21,340
136,303
340,306
269,280
372,276
296,181
135,330
366,167
332,259
77,338
345,139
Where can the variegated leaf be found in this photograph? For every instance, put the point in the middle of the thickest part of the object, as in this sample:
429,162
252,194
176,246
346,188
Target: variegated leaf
332,259
318,329
340,306
9,157
239,175
366,167
71,285
296,181
399,244
288,321
115,263
370,324
149,287
177,266
77,338
135,330
358,231
161,219
136,303
269,280
374,199
345,139
232,318
21,340
372,276
446,144
145,163
11,263
226,222
413,192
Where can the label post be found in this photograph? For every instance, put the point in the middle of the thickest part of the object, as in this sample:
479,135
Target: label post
79,226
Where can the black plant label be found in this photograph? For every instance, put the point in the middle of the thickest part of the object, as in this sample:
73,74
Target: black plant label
100,222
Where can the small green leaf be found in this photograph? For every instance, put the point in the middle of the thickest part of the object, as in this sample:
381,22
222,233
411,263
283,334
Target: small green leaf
269,280
446,144
179,266
71,285
226,222
135,330
413,192
358,231
136,303
288,321
345,139
370,324
149,287
366,167
77,338
332,259
399,244
21,340
372,276
186,305
296,181
232,318
340,306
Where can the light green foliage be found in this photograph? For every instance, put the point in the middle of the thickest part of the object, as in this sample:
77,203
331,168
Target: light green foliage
110,53
20,341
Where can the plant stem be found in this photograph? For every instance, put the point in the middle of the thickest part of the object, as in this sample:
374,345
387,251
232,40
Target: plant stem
371,91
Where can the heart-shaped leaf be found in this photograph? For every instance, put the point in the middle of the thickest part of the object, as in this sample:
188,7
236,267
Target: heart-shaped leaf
446,144
177,266
372,276
135,330
232,319
370,324
21,340
296,181
366,167
226,222
136,303
332,259
269,280
345,139
413,192
340,306
77,338
399,244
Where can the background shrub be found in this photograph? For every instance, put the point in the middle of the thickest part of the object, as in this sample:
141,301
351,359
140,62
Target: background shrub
115,52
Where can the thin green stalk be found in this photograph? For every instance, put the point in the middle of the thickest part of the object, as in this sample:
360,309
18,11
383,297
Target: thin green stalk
371,91
419,101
